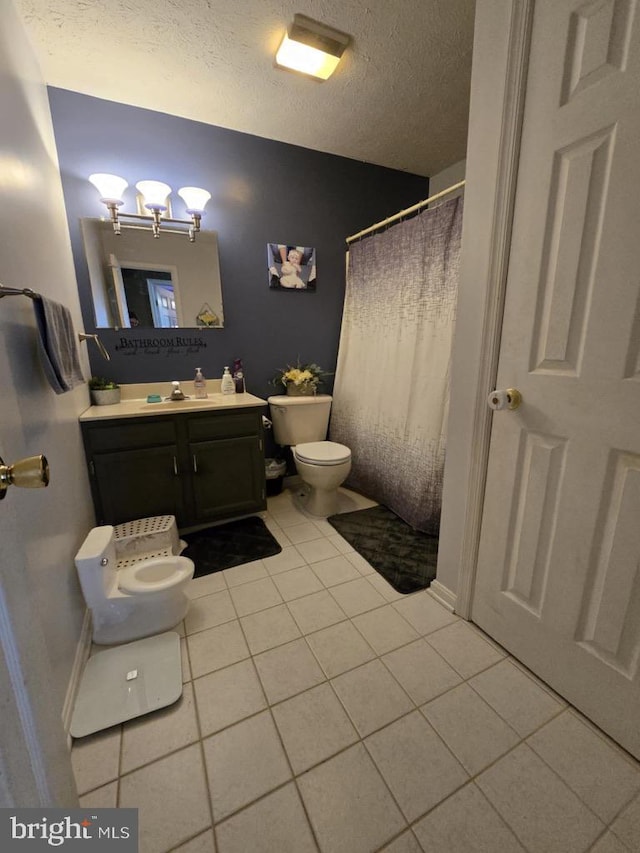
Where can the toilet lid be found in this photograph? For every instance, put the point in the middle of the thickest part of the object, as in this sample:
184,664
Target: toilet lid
323,453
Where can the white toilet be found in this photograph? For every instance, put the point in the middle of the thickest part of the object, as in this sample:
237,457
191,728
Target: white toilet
302,423
133,594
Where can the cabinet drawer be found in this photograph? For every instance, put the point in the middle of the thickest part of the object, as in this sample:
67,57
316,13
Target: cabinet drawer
123,435
223,426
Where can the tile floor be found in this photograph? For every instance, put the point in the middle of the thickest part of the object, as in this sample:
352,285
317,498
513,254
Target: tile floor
324,712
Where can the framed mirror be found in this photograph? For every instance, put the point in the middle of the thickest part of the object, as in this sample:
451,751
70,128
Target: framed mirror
138,280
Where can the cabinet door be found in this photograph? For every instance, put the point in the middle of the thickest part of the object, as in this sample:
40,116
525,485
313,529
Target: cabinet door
227,477
138,483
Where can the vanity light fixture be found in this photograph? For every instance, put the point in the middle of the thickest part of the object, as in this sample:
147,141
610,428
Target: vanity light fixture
311,48
155,199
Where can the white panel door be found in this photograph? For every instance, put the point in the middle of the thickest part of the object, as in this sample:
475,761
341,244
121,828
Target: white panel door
558,579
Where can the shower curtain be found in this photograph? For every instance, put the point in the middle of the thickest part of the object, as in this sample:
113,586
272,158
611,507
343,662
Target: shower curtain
391,391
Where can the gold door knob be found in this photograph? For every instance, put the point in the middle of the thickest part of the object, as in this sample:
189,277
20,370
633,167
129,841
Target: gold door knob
509,399
29,473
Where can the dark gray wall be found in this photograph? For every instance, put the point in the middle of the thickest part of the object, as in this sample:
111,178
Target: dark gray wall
262,191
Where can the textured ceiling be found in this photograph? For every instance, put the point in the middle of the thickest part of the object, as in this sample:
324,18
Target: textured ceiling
399,98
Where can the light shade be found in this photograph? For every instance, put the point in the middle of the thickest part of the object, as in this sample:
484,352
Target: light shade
155,194
311,48
110,187
195,198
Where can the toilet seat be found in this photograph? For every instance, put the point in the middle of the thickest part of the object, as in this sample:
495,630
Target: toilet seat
155,575
322,453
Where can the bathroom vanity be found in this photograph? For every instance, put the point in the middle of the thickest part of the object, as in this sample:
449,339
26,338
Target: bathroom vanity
202,461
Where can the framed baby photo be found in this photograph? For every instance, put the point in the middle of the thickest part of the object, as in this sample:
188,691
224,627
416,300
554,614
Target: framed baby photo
291,267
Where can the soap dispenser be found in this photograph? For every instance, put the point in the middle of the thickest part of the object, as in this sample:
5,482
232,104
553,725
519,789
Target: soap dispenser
200,385
227,385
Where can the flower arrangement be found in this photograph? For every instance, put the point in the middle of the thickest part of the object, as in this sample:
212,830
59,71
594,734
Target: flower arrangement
98,384
301,379
104,392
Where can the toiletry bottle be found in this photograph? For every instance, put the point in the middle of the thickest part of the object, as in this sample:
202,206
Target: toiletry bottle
227,385
200,385
238,376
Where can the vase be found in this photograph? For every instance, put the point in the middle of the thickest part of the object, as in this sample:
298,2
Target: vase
105,396
305,389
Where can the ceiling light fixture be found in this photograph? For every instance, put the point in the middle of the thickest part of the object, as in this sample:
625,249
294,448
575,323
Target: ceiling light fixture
155,199
311,48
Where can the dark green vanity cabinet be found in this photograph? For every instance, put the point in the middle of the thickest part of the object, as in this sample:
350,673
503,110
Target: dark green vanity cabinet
201,467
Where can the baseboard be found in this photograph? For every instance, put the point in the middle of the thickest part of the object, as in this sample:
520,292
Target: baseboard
443,595
83,649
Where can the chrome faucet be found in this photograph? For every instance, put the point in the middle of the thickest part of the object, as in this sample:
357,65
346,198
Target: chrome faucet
176,392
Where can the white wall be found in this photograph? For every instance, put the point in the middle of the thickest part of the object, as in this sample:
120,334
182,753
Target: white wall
41,607
447,177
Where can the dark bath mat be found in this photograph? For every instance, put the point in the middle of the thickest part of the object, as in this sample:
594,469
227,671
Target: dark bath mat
231,544
404,556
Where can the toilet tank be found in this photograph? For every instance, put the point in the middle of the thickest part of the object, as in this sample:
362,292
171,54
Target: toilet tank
297,420
96,579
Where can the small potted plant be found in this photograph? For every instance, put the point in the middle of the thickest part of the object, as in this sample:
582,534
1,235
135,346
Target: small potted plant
104,392
300,381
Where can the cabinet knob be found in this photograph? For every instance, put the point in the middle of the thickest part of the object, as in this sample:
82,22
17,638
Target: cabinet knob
175,466
195,464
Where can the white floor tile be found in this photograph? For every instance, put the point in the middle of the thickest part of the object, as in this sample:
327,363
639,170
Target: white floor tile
288,558
357,596
384,587
171,798
184,660
424,613
275,824
339,648
154,735
349,805
313,727
288,670
280,536
227,696
209,611
542,811
340,542
471,729
319,549
316,611
598,772
466,823
464,649
217,647
296,583
405,843
254,596
288,516
269,628
418,768
203,843
244,762
206,585
105,797
307,531
95,759
244,573
626,827
421,671
371,696
608,843
384,629
336,570
358,562
516,697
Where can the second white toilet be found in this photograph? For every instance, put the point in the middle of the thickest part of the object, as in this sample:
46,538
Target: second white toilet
302,423
133,592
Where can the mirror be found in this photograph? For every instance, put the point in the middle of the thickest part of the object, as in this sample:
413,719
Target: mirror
138,280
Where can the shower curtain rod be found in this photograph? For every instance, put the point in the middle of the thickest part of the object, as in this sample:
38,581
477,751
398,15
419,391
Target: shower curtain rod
406,212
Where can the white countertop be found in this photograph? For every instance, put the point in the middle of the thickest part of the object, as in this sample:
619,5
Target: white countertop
133,402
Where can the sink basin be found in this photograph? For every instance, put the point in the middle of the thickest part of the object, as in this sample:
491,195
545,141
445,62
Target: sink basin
181,404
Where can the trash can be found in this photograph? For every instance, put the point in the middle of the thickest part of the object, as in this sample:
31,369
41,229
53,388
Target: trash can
274,471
